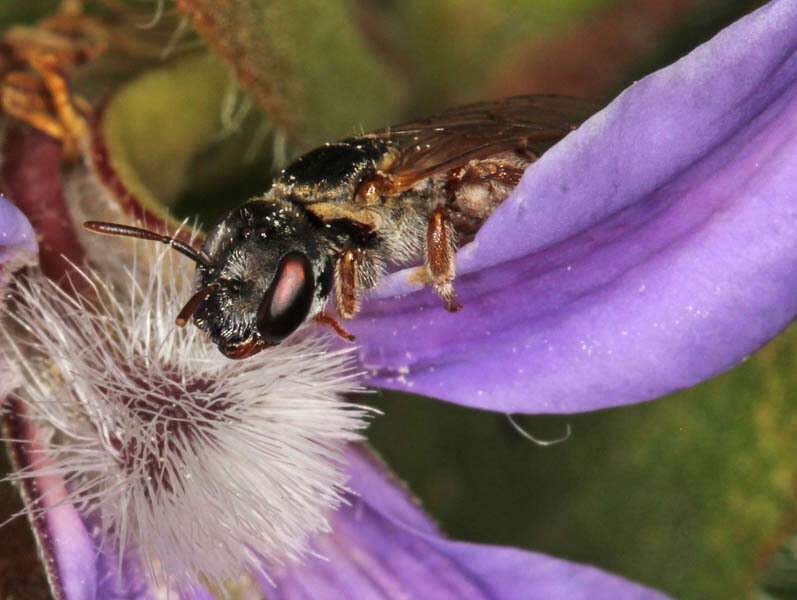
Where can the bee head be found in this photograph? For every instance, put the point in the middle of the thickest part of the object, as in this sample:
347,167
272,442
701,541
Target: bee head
260,274
265,275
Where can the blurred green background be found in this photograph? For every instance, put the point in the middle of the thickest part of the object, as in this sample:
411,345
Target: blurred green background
693,493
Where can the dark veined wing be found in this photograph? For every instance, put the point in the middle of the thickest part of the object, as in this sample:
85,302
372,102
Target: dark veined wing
477,131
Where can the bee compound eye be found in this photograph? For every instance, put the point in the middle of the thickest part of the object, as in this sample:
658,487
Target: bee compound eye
287,300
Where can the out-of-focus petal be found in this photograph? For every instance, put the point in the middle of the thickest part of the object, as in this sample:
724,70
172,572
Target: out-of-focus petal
18,246
382,546
31,177
652,248
77,567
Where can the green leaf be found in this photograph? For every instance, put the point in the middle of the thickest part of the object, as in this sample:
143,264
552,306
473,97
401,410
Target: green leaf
305,62
167,134
17,13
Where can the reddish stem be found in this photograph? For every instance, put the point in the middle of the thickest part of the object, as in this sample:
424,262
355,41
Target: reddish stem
31,179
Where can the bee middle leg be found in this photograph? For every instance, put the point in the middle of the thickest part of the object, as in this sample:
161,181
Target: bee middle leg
357,269
347,282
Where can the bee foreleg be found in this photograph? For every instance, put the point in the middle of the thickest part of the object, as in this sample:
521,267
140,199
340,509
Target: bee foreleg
346,282
440,249
325,319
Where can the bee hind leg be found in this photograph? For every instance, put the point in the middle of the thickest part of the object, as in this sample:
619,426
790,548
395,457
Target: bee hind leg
440,250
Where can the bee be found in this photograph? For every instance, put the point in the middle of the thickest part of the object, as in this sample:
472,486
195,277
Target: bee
337,217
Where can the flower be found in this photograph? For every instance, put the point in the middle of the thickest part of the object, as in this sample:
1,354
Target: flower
143,451
660,253
154,428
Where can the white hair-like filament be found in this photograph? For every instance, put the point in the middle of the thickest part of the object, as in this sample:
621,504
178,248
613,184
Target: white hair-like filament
207,467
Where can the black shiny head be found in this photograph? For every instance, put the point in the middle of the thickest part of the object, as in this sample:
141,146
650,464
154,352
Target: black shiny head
260,274
265,275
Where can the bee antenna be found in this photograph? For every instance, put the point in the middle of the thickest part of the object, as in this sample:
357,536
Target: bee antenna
145,234
192,304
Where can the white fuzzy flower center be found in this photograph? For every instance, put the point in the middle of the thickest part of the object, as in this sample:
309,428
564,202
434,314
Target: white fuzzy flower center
208,467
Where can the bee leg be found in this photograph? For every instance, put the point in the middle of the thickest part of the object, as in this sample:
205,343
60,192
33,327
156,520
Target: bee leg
440,257
347,277
326,319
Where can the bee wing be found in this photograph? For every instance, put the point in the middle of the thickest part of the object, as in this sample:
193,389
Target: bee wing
530,124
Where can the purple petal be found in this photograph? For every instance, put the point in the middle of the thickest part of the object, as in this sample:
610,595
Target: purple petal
652,248
384,547
76,566
18,246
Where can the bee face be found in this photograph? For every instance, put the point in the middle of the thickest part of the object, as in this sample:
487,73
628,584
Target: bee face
262,278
